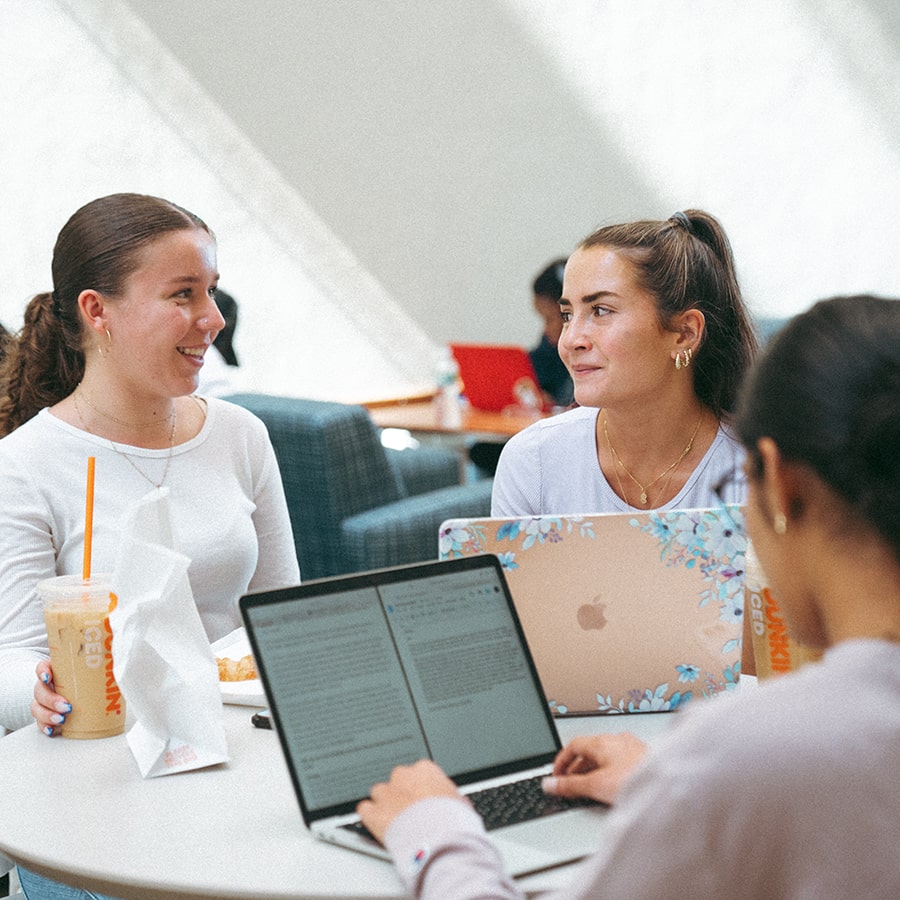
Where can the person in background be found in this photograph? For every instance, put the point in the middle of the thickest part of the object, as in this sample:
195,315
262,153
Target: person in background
106,365
220,363
552,375
788,790
224,340
656,337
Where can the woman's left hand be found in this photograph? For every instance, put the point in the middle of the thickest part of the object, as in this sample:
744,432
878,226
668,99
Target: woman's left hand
48,708
407,784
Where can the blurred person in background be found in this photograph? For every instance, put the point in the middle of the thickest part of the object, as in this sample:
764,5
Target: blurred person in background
552,375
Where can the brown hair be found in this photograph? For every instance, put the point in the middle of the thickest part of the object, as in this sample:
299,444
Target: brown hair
98,248
686,262
842,421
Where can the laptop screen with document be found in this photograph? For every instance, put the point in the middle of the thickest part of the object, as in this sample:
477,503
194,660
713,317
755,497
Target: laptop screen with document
366,672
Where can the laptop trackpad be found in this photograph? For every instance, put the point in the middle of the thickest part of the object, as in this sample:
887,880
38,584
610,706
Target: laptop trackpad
551,841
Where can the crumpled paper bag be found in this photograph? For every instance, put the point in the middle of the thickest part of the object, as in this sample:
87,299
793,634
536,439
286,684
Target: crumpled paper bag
162,659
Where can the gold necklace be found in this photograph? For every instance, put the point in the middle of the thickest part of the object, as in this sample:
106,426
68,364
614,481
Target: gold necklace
112,418
127,458
644,487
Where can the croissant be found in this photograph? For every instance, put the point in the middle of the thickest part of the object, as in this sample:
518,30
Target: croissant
243,669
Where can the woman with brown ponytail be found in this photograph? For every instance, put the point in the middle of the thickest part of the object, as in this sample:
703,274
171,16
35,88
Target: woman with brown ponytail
656,338
106,365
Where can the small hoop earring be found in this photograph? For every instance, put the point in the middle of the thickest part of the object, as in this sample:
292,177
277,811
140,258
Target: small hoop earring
678,360
779,523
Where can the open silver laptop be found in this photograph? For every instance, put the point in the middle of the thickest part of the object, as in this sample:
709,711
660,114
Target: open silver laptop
365,672
623,612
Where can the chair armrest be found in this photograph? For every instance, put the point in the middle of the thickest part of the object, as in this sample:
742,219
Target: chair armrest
425,468
406,531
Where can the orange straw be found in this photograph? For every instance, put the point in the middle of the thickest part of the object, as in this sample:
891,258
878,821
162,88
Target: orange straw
88,520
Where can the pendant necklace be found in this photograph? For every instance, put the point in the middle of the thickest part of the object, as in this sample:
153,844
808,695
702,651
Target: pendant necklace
645,487
128,459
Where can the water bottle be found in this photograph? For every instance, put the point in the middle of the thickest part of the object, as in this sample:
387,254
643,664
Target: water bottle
447,399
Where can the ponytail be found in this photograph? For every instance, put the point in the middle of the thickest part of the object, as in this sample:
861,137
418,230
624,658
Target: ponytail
43,363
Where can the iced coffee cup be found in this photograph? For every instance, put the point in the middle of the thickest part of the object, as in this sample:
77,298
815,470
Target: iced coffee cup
774,650
77,616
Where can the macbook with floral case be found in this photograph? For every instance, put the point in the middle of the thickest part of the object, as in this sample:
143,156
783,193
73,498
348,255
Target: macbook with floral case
623,612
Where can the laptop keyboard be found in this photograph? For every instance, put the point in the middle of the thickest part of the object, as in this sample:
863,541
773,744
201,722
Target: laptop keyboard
360,829
508,804
520,801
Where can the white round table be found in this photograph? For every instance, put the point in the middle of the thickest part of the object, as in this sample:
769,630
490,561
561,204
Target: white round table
79,812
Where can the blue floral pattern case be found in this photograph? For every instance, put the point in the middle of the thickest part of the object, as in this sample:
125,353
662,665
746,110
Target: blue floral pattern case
624,612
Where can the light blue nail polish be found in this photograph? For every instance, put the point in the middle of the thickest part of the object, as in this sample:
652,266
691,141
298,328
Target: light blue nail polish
45,677
57,719
63,707
48,731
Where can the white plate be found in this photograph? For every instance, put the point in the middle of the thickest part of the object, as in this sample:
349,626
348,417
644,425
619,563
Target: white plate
239,693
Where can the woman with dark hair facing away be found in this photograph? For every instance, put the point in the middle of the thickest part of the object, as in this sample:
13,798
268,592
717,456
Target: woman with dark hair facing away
787,791
656,338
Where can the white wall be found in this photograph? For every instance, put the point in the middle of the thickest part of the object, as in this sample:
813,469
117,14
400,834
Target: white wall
92,104
387,175
434,138
456,145
780,116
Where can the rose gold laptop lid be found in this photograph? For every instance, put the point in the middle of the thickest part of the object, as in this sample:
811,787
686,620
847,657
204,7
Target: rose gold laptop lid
623,612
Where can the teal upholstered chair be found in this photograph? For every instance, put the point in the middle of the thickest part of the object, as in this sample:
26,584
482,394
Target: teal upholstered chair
768,326
355,505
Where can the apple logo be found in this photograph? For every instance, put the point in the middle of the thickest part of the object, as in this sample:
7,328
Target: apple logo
590,615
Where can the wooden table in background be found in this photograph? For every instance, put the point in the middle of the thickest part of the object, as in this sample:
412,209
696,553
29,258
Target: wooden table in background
418,415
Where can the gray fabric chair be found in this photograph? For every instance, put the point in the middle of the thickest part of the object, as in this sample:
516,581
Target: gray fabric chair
768,326
353,504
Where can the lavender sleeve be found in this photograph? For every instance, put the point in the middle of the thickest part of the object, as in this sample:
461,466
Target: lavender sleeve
457,859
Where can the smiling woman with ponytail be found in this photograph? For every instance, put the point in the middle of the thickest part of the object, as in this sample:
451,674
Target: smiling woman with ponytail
106,365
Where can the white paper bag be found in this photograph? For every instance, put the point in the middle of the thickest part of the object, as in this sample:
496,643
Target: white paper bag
162,659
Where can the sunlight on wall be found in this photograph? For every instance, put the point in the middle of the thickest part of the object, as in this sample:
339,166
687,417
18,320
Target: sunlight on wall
92,105
778,117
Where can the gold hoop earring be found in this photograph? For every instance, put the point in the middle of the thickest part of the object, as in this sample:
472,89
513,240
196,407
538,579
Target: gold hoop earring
779,523
108,344
683,358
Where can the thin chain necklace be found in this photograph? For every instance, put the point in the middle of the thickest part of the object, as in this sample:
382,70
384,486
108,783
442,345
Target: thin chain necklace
125,456
112,418
668,471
